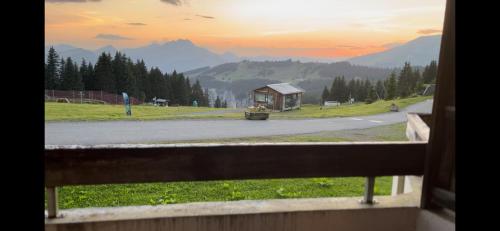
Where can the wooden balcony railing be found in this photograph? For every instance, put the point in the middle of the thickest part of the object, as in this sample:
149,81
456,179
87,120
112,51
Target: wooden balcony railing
115,164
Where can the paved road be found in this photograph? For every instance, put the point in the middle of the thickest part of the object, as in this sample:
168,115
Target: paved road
121,132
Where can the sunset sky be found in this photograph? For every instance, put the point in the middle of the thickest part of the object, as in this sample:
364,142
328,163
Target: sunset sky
309,28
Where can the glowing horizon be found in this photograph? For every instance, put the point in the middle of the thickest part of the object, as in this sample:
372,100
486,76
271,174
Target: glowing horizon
314,28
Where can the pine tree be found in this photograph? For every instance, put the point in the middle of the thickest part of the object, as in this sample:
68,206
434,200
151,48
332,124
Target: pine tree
358,91
404,81
430,73
104,77
391,87
131,80
364,88
415,81
420,86
198,95
351,89
325,95
141,75
224,104
343,92
122,74
90,78
77,83
334,90
158,84
84,73
371,96
379,89
66,74
52,70
71,78
206,102
217,102
61,73
187,92
177,85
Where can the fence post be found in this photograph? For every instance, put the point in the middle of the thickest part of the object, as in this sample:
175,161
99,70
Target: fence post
369,187
52,202
398,185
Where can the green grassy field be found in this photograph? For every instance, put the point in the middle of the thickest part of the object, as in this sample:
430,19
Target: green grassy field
358,109
93,112
183,192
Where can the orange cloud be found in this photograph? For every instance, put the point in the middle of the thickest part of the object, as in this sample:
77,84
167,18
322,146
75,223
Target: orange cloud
428,31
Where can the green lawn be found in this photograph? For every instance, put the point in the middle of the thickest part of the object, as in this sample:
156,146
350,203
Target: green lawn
94,112
183,192
358,109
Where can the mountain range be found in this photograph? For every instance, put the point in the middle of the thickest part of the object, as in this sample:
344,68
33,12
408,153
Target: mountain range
182,55
231,75
243,76
418,52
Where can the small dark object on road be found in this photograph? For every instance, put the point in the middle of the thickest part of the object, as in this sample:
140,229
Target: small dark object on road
394,107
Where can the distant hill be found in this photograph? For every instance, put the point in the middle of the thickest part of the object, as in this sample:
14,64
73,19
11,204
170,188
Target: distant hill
419,52
77,54
106,49
241,77
181,55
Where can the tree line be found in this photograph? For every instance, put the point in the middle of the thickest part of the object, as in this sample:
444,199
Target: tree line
408,82
119,74
219,103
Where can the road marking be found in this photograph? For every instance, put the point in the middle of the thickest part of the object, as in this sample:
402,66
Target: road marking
356,119
376,121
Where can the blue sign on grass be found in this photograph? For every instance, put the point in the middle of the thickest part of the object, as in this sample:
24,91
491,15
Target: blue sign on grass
126,100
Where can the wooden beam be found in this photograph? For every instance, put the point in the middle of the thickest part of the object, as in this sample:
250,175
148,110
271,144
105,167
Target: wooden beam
418,127
444,198
107,164
440,152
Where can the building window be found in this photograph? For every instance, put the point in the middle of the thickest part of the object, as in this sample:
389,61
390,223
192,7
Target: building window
291,101
259,97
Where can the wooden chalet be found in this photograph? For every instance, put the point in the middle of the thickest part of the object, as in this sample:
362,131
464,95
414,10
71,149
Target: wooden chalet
280,96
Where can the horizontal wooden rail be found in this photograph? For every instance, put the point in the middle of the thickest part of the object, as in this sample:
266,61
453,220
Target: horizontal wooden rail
109,164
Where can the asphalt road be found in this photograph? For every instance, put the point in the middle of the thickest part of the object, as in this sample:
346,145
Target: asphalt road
123,132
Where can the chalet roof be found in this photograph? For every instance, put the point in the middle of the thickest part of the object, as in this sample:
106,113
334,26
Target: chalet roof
285,88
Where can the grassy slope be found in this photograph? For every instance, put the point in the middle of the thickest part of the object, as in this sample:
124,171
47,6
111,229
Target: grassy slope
92,112
182,192
358,109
